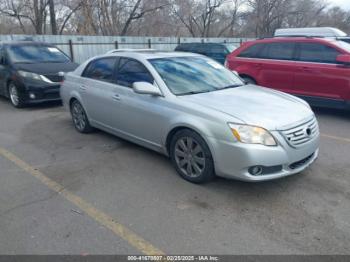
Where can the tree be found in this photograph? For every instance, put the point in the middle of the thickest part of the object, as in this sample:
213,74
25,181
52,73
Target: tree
198,17
32,15
53,17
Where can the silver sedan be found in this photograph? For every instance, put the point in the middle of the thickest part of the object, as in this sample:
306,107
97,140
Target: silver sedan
195,111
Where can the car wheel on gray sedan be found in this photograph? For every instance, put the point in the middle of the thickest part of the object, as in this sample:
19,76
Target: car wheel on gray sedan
80,119
191,157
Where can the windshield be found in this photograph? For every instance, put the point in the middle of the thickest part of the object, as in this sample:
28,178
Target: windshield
191,75
36,54
231,47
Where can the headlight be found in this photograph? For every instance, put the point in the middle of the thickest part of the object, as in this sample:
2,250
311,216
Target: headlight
33,76
252,135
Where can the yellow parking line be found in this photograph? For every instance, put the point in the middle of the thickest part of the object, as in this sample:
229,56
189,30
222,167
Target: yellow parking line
102,218
343,139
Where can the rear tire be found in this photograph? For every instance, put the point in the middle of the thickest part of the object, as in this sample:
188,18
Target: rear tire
80,119
191,157
16,98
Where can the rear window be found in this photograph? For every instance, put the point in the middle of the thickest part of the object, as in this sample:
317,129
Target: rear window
215,49
318,53
185,47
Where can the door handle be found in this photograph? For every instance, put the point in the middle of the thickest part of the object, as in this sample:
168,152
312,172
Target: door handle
116,97
83,88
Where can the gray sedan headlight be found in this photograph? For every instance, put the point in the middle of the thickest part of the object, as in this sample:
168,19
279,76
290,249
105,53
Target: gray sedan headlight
34,76
252,134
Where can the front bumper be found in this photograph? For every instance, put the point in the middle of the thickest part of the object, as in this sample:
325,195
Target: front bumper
233,159
35,94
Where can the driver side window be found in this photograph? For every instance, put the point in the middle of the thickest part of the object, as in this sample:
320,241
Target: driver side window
130,71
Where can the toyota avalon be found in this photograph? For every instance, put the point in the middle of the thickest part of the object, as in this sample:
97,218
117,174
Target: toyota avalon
197,112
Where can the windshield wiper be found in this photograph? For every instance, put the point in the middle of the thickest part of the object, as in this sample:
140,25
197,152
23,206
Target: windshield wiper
194,92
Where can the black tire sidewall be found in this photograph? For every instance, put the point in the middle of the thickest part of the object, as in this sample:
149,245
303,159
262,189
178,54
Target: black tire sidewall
209,172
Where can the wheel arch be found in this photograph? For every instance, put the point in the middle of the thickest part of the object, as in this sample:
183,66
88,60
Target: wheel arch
71,100
176,128
243,75
8,81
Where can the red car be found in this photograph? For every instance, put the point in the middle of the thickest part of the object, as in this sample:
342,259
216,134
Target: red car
315,69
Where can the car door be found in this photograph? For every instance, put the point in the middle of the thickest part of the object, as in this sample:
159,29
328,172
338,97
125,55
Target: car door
275,66
142,117
99,91
318,74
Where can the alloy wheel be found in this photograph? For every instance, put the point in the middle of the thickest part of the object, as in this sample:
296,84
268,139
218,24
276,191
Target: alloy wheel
189,156
79,117
14,95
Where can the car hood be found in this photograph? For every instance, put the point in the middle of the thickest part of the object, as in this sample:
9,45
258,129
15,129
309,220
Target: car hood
47,68
255,105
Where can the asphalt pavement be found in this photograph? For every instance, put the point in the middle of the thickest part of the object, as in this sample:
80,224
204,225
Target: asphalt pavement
62,192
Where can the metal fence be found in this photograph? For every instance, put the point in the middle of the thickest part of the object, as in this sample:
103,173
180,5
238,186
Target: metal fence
80,47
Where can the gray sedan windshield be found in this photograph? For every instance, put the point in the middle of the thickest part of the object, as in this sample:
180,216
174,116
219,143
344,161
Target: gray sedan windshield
192,75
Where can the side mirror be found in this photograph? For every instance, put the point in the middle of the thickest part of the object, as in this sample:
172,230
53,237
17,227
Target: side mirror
146,88
343,59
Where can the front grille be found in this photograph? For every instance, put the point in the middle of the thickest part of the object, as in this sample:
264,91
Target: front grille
54,77
301,134
301,162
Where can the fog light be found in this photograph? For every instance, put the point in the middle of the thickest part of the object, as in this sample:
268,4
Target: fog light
31,96
255,170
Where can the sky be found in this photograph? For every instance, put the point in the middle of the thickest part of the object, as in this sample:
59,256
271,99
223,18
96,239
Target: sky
345,4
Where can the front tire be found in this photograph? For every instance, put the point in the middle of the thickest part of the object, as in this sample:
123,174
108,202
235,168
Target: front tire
15,96
79,117
248,80
191,157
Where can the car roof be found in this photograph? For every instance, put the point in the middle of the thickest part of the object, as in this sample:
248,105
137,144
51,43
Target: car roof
310,31
292,39
130,50
200,43
151,54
